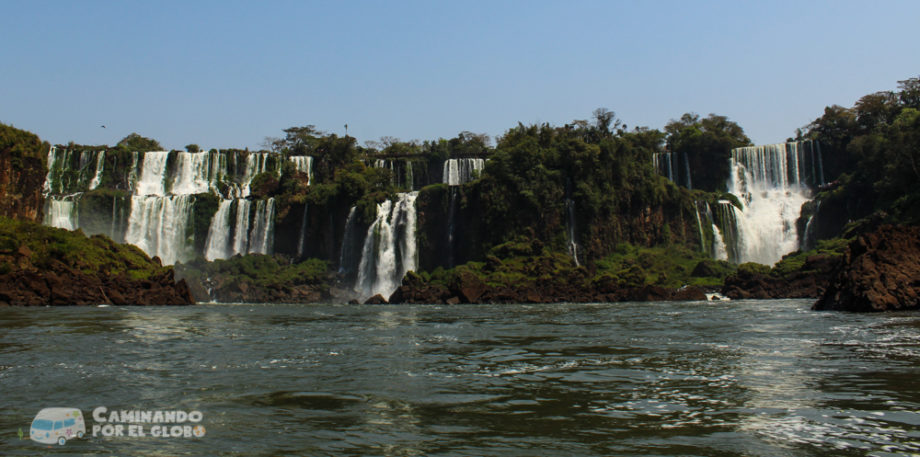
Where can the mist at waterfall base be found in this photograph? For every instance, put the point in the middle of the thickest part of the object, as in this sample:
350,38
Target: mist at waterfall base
743,378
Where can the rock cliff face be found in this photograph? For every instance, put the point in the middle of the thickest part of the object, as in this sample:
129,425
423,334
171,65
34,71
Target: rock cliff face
880,272
22,173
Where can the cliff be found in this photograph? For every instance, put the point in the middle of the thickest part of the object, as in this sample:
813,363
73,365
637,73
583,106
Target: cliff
879,272
22,173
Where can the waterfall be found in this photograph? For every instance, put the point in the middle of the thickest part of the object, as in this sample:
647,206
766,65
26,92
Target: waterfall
664,164
262,234
62,213
303,230
772,182
570,225
719,252
668,164
193,172
303,164
461,171
349,253
687,170
218,243
159,226
153,174
699,226
241,230
256,163
725,220
163,187
389,249
97,176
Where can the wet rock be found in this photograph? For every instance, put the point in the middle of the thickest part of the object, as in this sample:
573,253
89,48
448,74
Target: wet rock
880,272
376,300
468,287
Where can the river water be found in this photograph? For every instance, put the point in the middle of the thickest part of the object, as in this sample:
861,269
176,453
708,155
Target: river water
761,378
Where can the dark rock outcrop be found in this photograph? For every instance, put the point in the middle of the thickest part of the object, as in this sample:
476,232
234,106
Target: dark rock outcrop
880,272
58,284
44,266
808,282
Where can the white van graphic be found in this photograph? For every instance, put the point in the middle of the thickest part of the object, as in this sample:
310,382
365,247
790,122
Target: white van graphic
57,425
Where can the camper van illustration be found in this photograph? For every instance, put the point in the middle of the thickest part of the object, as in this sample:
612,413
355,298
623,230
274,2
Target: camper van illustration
57,425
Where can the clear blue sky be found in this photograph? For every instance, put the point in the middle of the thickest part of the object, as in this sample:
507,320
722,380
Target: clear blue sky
228,73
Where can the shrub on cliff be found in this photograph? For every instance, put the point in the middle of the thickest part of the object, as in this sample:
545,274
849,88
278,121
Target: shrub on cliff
136,143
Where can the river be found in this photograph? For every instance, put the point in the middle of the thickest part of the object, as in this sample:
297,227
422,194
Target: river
759,378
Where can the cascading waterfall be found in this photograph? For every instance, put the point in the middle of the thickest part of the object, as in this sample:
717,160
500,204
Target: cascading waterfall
303,164
687,171
164,184
303,230
772,183
461,171
219,240
241,228
719,251
667,164
725,222
570,225
62,213
349,254
97,176
261,235
663,164
699,225
389,249
257,163
69,176
159,225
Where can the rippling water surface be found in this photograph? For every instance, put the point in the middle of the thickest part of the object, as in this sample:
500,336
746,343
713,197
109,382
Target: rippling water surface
765,378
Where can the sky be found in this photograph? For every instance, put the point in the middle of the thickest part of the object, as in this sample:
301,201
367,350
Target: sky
231,73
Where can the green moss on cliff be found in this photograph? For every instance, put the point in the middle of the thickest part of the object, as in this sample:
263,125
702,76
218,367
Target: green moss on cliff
89,255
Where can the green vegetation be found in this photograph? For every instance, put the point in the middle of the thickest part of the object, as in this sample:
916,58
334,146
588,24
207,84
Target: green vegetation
797,261
664,266
137,143
707,143
47,246
872,153
19,144
260,270
524,263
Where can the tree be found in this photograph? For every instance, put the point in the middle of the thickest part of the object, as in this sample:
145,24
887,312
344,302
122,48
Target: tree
706,144
192,147
603,119
137,143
